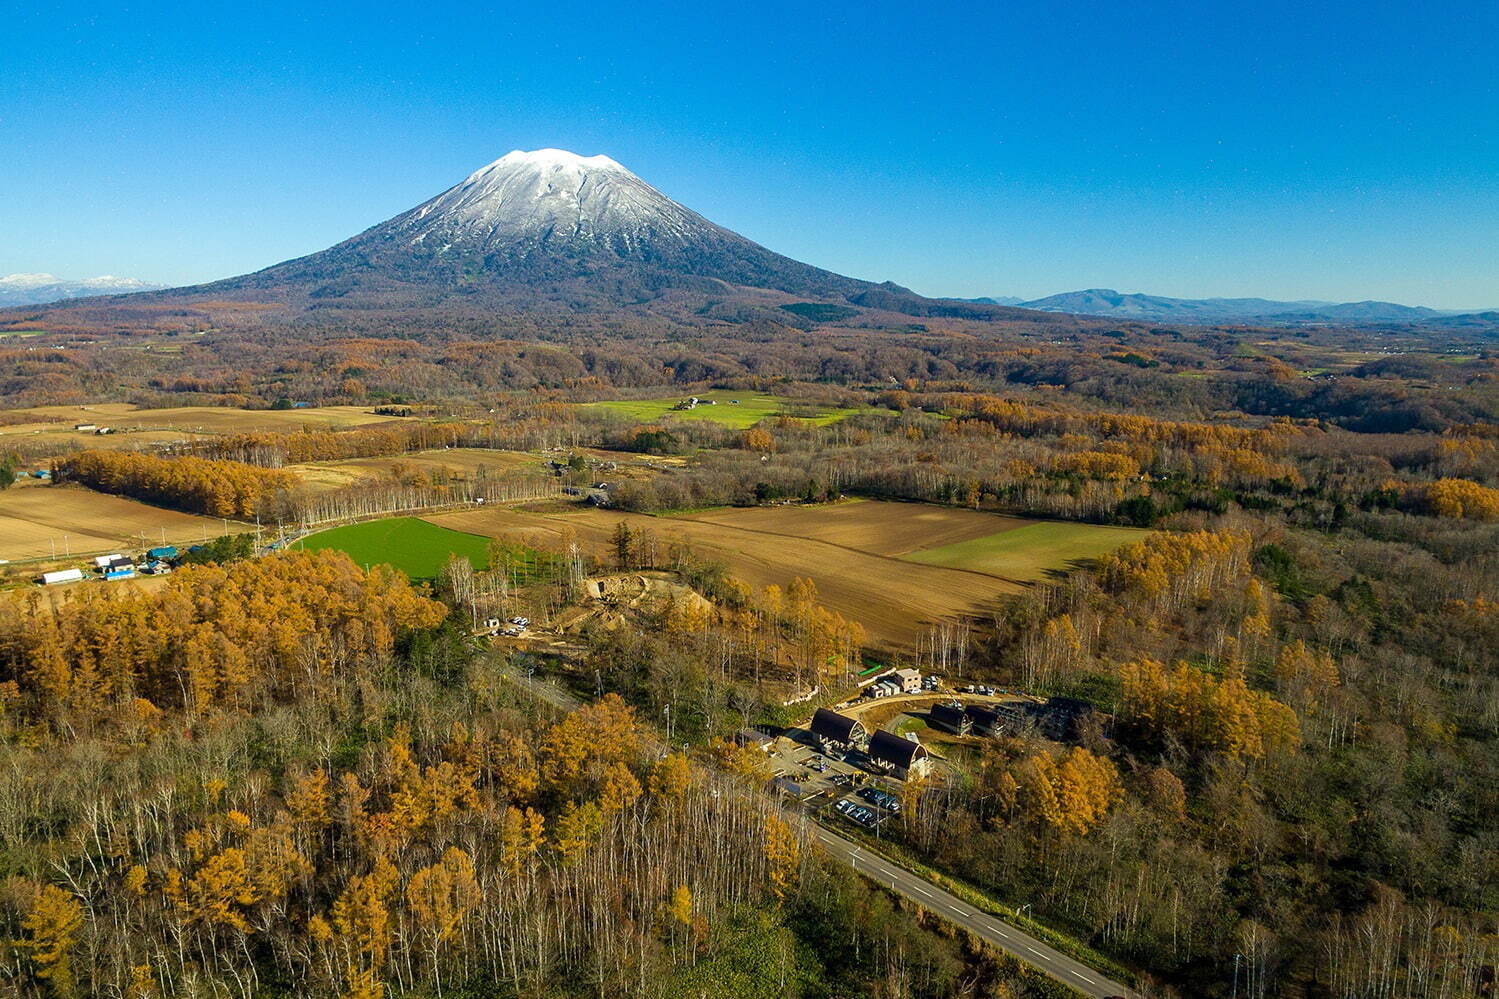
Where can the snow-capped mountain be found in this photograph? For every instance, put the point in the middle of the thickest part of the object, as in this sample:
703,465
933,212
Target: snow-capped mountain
543,225
38,289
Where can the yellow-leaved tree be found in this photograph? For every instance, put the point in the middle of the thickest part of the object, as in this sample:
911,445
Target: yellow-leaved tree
51,922
783,855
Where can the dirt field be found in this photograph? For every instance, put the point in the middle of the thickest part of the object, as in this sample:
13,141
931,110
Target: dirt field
51,427
206,419
36,520
463,461
894,600
874,527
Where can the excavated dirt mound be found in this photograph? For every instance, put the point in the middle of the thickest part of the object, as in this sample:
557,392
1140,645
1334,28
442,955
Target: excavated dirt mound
612,601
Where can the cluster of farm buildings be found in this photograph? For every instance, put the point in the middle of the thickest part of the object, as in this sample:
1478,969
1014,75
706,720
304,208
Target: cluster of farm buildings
156,561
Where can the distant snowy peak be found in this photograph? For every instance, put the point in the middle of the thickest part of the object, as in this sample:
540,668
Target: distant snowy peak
40,288
10,281
1156,308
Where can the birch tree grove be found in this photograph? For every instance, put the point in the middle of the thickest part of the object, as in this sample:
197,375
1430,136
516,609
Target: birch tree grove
474,841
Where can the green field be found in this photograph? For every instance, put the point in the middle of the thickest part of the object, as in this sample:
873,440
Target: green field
1031,552
22,332
415,547
746,412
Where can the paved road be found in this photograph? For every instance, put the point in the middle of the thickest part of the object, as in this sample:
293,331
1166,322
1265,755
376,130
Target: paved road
944,904
546,691
1002,935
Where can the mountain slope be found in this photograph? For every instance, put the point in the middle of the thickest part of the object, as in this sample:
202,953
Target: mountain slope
534,226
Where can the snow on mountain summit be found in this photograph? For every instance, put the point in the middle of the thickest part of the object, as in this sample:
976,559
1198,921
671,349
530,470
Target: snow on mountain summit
555,158
549,197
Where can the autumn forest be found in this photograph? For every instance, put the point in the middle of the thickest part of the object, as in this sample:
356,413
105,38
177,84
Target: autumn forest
278,773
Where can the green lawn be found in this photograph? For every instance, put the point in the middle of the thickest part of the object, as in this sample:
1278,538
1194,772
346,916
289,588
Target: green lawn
1030,552
415,547
749,410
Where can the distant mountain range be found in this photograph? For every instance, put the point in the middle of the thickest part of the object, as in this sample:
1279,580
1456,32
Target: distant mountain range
1210,311
547,234
38,289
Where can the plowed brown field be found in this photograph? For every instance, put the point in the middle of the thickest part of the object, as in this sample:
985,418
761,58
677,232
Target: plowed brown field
38,520
895,601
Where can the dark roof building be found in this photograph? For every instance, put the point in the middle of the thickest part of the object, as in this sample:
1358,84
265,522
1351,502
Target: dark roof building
903,756
832,726
994,720
1059,716
951,717
753,737
985,721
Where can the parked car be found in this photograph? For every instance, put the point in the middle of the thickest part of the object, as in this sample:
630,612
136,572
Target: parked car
884,799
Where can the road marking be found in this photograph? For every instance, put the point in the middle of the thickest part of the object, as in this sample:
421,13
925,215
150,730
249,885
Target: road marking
1085,978
921,891
1034,951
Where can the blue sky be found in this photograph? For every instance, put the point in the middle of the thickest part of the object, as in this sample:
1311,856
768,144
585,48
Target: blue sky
1290,150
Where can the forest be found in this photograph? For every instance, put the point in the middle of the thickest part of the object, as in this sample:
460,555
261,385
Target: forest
356,803
286,775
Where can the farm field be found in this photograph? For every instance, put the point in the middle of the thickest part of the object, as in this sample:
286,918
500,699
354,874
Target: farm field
876,527
187,419
464,462
415,547
1030,552
44,429
51,439
35,518
894,600
749,410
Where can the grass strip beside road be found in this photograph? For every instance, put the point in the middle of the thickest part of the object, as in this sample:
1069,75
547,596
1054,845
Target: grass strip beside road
1069,945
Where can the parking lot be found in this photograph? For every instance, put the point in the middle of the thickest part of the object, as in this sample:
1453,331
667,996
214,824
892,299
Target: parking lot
835,780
